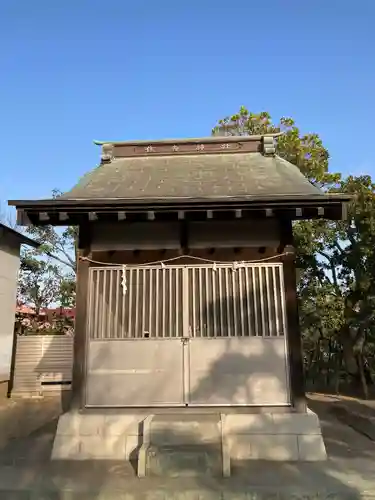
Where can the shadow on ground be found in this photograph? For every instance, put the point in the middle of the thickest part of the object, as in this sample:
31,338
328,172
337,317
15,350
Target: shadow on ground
28,428
25,465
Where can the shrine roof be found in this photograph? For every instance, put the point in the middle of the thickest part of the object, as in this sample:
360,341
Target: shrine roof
222,170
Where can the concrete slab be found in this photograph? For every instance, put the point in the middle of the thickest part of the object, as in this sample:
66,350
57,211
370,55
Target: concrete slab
185,429
184,461
274,436
311,448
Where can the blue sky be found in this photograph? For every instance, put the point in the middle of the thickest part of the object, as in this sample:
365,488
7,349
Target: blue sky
77,70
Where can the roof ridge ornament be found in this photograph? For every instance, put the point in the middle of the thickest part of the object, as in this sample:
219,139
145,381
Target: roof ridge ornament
107,152
269,147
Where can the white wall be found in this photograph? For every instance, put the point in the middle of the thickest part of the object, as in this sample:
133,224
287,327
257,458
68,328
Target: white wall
9,265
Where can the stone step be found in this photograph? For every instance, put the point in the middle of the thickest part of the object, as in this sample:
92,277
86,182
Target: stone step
185,429
184,461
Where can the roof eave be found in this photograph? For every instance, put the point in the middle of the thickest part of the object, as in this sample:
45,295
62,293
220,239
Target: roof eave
56,203
24,240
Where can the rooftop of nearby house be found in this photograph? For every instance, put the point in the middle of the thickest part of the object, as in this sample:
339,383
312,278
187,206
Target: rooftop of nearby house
24,310
22,239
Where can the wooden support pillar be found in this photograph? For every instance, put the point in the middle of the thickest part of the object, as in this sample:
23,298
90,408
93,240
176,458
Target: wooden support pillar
294,341
80,332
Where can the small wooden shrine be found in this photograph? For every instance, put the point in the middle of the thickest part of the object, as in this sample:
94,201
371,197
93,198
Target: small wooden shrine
186,285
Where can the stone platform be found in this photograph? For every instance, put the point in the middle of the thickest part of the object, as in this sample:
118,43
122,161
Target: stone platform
154,441
28,428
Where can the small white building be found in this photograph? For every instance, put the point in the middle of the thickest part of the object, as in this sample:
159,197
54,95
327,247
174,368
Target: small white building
10,245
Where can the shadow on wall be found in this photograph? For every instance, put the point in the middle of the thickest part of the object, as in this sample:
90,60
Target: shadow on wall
250,371
246,368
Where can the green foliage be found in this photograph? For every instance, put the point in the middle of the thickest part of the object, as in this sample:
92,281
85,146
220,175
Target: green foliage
39,281
336,259
47,274
304,150
60,245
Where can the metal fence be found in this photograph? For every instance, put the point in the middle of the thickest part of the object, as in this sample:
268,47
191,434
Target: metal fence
43,364
186,301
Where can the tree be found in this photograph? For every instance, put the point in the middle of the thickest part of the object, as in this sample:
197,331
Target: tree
336,259
39,281
306,150
60,245
47,274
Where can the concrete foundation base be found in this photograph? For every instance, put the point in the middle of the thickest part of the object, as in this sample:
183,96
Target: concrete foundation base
274,436
121,436
86,436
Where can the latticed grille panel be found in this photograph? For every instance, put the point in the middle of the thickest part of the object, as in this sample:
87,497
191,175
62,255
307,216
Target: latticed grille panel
236,302
191,301
148,305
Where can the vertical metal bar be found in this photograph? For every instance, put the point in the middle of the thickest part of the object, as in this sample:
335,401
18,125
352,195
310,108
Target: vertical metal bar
229,330
117,297
91,305
248,303
91,294
177,308
136,291
206,287
193,294
234,298
261,290
170,298
200,303
102,336
276,301
96,273
157,272
110,313
282,296
241,299
255,297
130,311
151,301
144,289
163,318
221,300
186,371
214,299
123,307
269,312
185,302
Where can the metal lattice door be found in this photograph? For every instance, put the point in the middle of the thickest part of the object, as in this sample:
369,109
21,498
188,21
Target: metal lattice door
177,335
135,353
237,349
